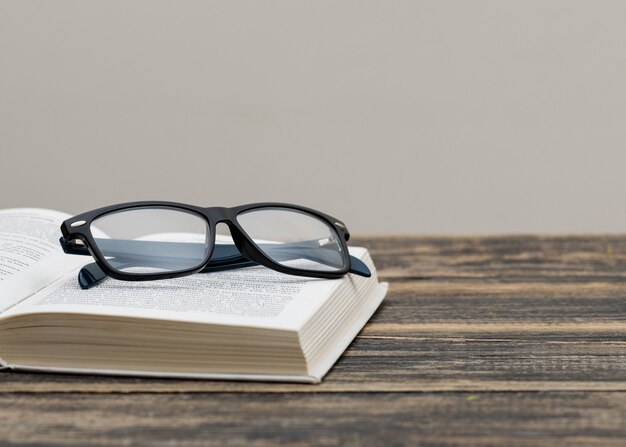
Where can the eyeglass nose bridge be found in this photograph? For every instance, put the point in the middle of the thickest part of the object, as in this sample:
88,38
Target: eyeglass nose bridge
220,214
243,243
226,216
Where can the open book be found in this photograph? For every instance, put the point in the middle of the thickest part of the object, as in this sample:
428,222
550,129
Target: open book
246,324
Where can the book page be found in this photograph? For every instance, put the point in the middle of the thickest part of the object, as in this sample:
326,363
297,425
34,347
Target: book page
253,296
30,254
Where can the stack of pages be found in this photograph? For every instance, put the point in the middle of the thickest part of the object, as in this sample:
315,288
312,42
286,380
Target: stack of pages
248,324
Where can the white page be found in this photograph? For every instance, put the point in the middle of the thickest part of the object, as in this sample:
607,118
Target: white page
256,297
30,254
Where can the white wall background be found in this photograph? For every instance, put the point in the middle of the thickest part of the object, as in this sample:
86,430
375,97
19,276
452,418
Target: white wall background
396,116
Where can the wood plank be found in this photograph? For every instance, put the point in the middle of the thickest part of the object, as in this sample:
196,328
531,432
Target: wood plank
526,259
514,419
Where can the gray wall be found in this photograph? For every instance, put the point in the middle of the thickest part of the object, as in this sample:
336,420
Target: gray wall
446,116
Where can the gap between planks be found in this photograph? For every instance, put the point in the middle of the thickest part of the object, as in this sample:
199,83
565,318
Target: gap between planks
446,386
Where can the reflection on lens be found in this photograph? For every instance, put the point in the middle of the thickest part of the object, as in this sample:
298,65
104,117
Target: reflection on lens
152,240
294,239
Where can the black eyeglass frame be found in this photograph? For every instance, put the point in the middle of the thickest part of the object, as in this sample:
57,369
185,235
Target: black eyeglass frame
79,228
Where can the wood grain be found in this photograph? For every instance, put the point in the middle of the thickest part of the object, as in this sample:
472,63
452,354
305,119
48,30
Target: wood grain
533,325
342,419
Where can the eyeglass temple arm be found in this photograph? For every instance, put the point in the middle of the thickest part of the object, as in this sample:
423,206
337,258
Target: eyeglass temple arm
91,275
227,255
224,257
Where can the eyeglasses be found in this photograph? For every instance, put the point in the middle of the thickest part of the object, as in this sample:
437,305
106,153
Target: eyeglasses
141,241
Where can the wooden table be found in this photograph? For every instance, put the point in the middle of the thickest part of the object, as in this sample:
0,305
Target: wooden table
481,341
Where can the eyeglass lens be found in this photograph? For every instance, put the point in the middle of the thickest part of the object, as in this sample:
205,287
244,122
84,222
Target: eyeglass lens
152,240
294,239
